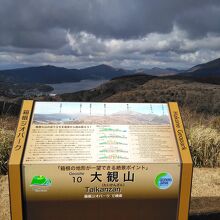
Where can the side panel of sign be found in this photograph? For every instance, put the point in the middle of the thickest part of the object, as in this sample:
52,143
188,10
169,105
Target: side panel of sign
187,167
15,161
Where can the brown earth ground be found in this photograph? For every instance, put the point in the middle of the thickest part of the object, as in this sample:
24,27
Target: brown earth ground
205,193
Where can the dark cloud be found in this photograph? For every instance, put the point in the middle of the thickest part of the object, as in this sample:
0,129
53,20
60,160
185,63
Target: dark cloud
116,18
198,22
86,30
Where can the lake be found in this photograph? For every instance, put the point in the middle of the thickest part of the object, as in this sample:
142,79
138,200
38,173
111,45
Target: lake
60,88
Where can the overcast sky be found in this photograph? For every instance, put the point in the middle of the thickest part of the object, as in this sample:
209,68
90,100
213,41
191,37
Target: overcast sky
122,33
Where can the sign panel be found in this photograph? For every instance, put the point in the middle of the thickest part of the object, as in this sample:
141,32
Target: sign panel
80,155
103,150
101,133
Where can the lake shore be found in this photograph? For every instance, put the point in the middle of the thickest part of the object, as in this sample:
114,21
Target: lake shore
70,87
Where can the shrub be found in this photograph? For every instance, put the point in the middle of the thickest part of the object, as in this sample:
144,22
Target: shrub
205,146
215,122
6,139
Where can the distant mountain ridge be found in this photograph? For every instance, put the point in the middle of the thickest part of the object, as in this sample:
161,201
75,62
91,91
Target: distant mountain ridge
51,74
155,71
207,72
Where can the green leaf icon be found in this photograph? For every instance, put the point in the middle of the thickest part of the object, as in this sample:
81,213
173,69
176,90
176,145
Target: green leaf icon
41,181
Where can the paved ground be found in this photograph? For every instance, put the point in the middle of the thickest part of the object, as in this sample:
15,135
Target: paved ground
205,201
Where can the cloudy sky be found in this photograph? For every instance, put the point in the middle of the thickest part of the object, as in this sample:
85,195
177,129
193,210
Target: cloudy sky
122,33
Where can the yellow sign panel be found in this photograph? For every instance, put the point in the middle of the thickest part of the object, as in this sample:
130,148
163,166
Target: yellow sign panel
118,153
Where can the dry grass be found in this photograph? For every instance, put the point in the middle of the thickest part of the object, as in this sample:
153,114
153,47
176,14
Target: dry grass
199,97
8,122
7,132
203,132
205,146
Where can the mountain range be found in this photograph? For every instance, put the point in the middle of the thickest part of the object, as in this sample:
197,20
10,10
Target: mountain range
52,74
207,72
156,71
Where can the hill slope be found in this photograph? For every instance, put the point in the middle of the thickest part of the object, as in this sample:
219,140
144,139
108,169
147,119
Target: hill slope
207,72
114,86
159,71
143,88
42,74
51,74
102,72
